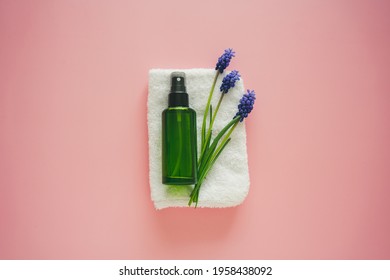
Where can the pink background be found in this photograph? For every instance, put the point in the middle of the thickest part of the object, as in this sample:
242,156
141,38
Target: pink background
73,134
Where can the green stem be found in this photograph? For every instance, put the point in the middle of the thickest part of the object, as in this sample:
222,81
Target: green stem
212,153
216,110
208,135
222,144
207,110
207,155
210,156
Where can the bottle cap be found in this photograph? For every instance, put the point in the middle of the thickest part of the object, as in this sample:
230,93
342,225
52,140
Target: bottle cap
178,96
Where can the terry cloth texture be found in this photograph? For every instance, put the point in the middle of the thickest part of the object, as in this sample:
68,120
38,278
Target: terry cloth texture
227,184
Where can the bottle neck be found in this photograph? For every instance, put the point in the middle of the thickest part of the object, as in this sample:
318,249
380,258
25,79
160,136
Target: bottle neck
177,99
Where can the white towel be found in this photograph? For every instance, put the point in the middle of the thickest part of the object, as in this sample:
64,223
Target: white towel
227,184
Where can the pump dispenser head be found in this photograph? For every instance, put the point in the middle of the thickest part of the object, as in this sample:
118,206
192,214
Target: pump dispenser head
178,96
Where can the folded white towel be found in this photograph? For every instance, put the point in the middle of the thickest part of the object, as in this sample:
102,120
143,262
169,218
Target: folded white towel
227,184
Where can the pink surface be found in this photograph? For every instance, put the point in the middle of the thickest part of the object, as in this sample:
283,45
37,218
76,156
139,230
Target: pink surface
73,134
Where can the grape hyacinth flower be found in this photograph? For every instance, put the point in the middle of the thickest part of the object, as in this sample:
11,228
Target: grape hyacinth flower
229,81
222,63
220,142
212,147
224,60
246,104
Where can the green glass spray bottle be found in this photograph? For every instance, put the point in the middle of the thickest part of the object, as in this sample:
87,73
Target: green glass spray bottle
179,140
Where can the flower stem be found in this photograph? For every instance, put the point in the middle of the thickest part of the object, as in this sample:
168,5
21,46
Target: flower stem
214,150
216,109
207,110
210,156
223,142
208,135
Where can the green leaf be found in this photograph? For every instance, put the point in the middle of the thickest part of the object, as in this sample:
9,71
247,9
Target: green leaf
211,114
215,157
204,123
203,135
208,143
220,151
207,156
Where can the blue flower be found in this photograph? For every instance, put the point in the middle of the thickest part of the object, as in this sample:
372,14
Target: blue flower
246,104
224,60
229,81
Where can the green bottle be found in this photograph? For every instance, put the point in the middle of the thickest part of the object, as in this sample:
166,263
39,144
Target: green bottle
179,140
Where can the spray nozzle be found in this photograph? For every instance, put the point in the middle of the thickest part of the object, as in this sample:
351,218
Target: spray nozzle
178,96
178,83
